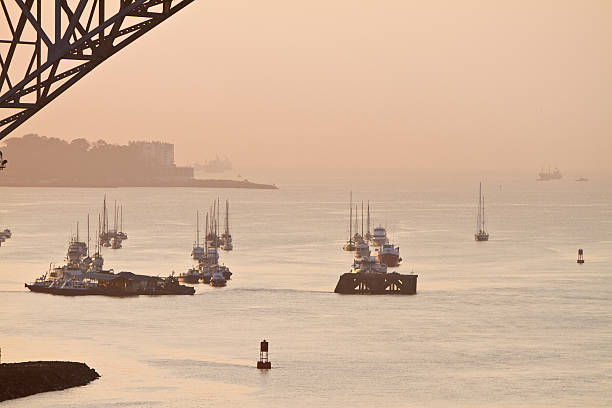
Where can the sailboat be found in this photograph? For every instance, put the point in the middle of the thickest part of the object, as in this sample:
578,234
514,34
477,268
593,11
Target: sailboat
198,252
121,234
481,233
350,244
226,237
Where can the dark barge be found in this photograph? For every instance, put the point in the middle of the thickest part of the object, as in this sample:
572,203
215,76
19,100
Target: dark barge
377,284
111,284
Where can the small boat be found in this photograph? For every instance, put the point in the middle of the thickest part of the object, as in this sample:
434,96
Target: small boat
64,287
6,233
582,179
379,237
362,249
205,273
368,264
120,233
197,252
481,234
227,274
389,255
115,242
217,278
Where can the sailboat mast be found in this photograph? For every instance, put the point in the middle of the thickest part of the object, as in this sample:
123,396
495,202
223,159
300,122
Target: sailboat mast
478,222
88,235
77,232
351,217
197,228
227,217
206,235
362,219
483,214
121,224
356,219
368,217
98,240
103,215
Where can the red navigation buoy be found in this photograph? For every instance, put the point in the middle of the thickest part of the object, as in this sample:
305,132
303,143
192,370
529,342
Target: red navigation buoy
264,362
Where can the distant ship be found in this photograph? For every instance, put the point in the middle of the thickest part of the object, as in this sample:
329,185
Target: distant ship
546,175
215,166
582,179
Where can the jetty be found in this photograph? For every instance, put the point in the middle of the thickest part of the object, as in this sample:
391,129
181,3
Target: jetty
377,284
19,380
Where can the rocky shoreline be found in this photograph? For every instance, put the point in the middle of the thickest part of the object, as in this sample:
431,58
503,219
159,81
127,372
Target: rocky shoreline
22,379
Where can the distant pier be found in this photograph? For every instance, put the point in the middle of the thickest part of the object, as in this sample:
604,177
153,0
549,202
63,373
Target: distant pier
377,284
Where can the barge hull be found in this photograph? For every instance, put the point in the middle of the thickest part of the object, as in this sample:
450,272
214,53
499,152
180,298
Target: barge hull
377,284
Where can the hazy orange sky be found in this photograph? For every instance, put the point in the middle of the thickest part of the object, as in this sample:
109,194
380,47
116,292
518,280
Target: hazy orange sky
450,85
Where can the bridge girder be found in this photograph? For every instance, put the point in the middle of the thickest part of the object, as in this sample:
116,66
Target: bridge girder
44,56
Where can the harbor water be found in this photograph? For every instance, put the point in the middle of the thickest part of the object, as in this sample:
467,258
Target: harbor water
513,322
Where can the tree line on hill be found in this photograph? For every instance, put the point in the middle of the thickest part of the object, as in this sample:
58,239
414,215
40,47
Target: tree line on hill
40,160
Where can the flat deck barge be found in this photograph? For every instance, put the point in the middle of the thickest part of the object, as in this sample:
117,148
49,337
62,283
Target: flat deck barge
377,284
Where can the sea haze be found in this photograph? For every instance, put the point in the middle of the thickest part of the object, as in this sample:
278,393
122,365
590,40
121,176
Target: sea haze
513,322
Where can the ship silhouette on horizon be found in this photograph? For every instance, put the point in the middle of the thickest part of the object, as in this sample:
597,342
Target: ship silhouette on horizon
547,175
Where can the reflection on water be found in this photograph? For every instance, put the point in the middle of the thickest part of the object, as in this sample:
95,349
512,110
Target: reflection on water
511,322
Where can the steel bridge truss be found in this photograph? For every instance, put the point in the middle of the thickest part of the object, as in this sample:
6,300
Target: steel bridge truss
48,45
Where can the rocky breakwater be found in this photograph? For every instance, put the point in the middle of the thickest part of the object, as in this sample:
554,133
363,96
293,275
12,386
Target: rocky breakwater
22,379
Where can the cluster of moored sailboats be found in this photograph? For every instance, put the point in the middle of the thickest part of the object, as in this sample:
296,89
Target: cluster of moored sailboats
112,237
387,255
208,270
84,274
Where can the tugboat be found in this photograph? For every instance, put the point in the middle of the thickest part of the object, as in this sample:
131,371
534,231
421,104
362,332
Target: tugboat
191,276
481,233
171,286
389,255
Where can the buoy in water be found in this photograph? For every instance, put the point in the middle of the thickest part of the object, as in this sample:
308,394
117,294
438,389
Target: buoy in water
263,363
580,256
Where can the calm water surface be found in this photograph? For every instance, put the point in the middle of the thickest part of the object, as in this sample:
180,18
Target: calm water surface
513,322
